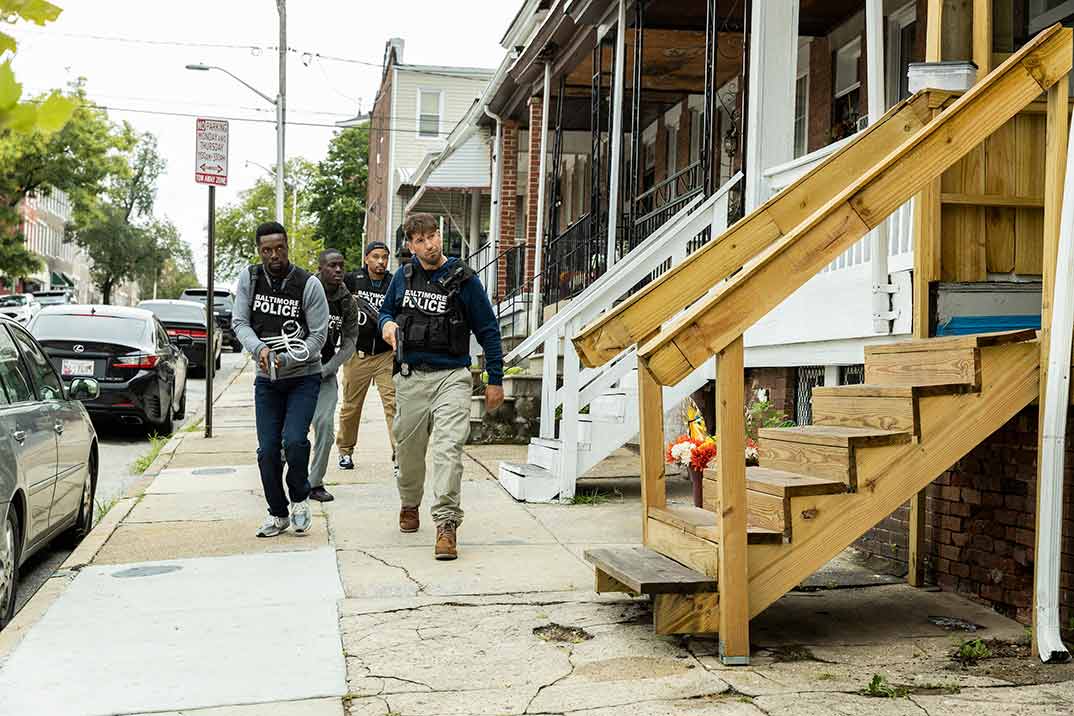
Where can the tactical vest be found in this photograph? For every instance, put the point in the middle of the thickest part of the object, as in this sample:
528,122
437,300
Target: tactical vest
276,312
431,316
335,329
363,290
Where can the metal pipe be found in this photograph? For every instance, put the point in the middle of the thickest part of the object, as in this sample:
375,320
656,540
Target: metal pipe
878,237
497,194
616,151
281,101
1053,440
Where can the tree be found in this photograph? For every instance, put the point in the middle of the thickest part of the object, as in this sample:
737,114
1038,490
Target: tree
45,115
117,236
339,192
169,262
77,159
236,223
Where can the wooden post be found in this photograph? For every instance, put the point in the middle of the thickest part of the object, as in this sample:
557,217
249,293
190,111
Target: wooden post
982,37
733,583
1055,165
651,424
933,32
926,269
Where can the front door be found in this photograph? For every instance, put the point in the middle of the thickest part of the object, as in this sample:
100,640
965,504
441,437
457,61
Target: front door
66,423
31,434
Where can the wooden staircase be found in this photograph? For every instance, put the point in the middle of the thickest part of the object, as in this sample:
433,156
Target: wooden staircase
925,403
819,487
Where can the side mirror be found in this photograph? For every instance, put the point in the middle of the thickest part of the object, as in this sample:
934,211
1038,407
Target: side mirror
84,389
183,341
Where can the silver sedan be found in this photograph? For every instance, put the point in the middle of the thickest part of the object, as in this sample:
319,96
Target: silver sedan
48,457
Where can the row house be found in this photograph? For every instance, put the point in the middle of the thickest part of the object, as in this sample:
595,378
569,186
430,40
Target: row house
688,184
64,266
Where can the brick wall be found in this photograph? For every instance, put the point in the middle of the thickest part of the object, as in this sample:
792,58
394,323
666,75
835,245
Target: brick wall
980,522
780,384
820,93
508,201
533,183
379,189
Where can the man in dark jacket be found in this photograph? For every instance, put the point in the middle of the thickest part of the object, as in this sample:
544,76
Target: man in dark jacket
372,361
435,303
338,348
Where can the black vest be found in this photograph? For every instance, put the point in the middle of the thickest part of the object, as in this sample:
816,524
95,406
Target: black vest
431,316
335,328
368,297
272,312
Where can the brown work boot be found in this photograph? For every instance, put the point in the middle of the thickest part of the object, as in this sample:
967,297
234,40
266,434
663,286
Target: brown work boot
445,541
408,519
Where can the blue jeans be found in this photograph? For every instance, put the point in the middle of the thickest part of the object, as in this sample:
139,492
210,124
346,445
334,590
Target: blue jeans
284,409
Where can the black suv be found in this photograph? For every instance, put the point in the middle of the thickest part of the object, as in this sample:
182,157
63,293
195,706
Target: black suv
223,302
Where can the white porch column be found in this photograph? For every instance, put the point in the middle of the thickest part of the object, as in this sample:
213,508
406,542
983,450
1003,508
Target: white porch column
616,150
773,71
542,171
475,221
490,278
878,237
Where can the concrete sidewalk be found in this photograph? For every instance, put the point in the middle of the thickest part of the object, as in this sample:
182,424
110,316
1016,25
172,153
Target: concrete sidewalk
172,606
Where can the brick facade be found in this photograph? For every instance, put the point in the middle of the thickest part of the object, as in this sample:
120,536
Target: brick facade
780,384
820,93
980,521
533,184
378,197
508,201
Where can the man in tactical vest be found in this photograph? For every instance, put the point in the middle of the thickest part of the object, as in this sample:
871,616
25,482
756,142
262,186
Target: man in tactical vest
372,362
338,348
281,317
433,305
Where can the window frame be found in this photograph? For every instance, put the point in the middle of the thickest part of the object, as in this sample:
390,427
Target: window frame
439,112
896,23
27,379
35,385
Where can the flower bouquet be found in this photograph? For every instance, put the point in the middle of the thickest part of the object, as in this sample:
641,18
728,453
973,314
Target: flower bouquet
695,455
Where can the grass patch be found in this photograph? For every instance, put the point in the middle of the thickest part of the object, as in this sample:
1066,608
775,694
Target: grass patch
880,688
971,651
156,444
596,496
103,507
194,427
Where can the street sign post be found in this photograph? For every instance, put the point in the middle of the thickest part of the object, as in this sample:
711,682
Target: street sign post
210,167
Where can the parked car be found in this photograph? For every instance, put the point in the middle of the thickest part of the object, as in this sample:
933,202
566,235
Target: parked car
19,307
141,371
187,318
223,303
48,457
53,298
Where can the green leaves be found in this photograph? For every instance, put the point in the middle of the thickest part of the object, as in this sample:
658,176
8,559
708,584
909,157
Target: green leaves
27,117
10,90
38,12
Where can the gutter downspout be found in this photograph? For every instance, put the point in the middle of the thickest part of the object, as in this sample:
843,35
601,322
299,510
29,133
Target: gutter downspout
491,281
878,238
1056,391
535,302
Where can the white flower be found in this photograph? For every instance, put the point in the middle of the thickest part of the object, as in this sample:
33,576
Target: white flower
682,453
751,452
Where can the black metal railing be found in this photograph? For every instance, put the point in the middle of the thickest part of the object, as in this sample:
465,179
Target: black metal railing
655,206
572,261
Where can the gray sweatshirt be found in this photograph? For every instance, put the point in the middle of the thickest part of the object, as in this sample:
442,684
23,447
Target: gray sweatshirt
315,306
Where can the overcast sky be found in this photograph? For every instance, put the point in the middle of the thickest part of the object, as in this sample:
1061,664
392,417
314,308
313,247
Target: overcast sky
147,72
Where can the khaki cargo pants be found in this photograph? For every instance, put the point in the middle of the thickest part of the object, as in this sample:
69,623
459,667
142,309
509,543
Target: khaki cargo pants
432,420
358,373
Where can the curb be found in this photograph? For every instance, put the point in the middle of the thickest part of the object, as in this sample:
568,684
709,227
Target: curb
92,543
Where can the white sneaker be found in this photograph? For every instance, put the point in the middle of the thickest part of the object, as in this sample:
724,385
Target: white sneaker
395,471
273,526
300,516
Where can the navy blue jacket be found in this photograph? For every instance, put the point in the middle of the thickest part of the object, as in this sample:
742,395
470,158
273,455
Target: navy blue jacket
479,316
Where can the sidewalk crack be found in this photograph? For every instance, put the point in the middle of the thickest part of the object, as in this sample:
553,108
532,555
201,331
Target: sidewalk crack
421,587
570,660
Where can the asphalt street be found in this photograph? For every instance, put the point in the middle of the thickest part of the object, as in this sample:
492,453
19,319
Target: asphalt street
120,446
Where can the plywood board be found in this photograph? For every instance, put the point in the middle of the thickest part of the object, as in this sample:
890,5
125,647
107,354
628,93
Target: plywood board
694,552
953,366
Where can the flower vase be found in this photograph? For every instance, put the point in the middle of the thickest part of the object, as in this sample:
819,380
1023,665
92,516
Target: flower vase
696,477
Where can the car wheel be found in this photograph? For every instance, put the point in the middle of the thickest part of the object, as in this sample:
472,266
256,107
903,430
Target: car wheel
84,523
9,566
180,412
167,424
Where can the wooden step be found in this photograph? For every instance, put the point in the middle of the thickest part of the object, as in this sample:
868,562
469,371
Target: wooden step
644,571
976,340
768,495
823,451
886,407
958,369
705,524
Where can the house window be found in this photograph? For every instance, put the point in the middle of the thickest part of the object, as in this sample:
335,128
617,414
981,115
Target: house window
801,112
429,108
846,106
901,37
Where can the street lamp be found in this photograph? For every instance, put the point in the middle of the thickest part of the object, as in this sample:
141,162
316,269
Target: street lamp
278,104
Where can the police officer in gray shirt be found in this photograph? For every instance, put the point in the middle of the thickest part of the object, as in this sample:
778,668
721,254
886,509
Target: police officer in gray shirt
281,317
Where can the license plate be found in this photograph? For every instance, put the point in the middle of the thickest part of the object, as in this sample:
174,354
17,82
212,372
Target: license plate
71,367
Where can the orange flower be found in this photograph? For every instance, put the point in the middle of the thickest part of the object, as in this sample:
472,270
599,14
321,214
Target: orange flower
702,455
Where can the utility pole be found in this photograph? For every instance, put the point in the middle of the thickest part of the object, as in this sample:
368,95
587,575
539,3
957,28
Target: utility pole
281,109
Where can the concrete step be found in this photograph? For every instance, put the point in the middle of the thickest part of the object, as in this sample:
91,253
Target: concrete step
528,483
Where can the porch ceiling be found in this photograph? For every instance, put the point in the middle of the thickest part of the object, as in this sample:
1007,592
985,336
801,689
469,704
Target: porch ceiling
819,17
674,61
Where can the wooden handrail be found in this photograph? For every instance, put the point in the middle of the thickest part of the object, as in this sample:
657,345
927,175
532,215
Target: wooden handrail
778,270
887,163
